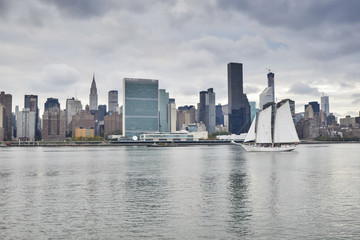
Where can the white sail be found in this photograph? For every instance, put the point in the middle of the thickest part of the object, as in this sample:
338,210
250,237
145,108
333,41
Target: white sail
285,131
263,134
251,133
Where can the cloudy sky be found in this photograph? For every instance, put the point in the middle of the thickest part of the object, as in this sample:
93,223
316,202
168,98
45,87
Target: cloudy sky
52,47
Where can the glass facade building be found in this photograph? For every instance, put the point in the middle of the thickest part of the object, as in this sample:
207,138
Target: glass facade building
239,107
141,106
325,105
253,110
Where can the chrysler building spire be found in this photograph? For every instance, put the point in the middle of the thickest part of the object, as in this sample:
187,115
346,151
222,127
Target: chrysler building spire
93,95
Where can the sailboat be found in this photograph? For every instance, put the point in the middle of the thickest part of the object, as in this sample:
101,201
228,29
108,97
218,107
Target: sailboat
263,136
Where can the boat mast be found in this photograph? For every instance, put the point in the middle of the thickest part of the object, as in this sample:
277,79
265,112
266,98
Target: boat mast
273,119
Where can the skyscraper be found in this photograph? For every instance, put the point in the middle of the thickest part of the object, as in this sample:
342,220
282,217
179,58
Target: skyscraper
51,103
185,116
219,115
2,122
6,101
113,101
315,106
31,102
268,95
172,115
54,124
112,124
325,105
207,109
271,83
73,107
93,95
239,108
26,125
141,106
163,118
101,113
202,107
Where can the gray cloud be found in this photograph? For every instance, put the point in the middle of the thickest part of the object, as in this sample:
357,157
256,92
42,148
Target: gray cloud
346,85
251,89
296,15
5,7
185,44
82,8
95,8
55,78
304,89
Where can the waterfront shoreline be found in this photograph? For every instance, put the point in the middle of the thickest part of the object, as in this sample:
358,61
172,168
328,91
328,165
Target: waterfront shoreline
145,143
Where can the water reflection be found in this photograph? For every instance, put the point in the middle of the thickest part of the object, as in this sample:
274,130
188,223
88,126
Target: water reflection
206,192
240,208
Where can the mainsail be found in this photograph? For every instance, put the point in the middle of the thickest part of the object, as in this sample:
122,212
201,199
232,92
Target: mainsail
285,131
263,134
251,136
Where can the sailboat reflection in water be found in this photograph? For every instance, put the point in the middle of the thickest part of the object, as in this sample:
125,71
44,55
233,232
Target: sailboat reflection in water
267,134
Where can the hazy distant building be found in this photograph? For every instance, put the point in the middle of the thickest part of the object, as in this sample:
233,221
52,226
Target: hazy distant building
101,113
6,101
2,122
73,107
207,109
54,124
325,105
225,109
348,121
51,103
93,95
239,107
172,115
185,116
141,106
26,125
315,106
219,115
112,124
253,110
331,119
113,101
31,102
83,120
163,116
309,112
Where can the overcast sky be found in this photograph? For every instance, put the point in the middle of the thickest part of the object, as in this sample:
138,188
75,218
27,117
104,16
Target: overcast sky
52,47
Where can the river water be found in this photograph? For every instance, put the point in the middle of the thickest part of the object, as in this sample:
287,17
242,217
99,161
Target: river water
194,192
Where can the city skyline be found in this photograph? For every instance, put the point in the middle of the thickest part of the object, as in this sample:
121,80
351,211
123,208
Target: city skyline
51,49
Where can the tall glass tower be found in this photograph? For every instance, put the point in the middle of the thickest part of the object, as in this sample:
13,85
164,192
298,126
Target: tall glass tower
325,105
239,107
141,106
271,83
